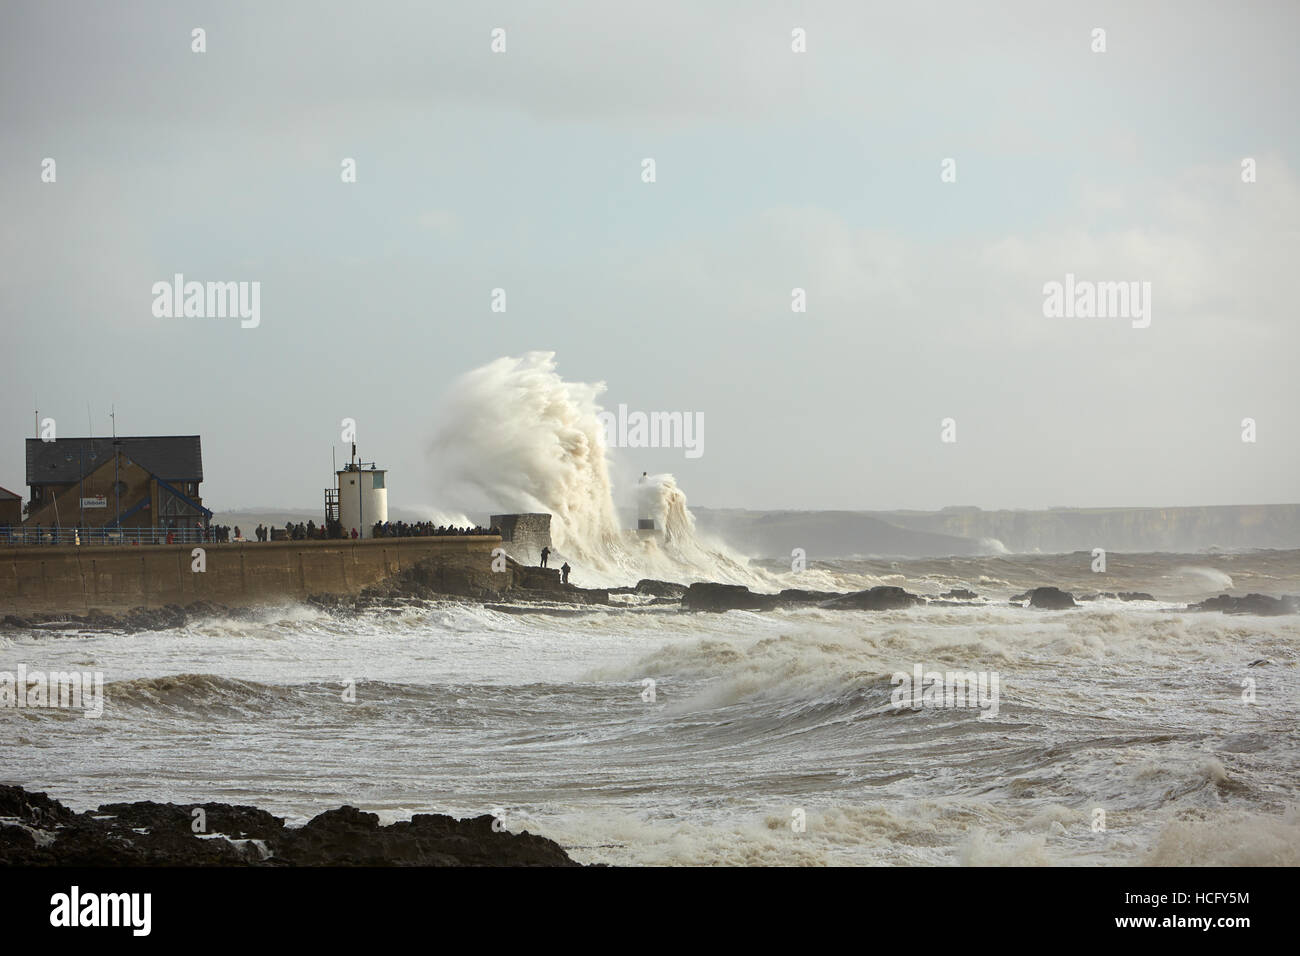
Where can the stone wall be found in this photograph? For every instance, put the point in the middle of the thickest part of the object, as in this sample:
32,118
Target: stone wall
75,580
524,535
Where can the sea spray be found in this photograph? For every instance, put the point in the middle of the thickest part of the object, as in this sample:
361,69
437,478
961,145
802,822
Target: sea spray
515,436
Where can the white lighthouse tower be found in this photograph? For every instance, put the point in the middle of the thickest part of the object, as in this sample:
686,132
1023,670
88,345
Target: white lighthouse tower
646,497
363,497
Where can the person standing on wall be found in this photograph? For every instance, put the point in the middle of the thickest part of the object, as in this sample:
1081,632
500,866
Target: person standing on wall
546,553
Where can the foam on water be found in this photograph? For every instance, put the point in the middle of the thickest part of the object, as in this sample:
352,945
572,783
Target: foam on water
1135,708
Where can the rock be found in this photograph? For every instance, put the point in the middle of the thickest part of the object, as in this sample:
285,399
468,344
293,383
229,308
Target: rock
1134,596
1250,604
960,594
726,597
1052,599
38,831
874,599
802,596
661,589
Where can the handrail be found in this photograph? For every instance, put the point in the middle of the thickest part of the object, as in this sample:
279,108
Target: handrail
18,536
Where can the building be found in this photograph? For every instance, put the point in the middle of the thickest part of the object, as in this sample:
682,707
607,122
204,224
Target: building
11,509
147,482
360,499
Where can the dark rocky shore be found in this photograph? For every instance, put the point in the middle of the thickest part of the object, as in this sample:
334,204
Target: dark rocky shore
38,831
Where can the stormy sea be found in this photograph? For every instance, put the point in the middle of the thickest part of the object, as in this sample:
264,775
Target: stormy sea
1127,730
757,720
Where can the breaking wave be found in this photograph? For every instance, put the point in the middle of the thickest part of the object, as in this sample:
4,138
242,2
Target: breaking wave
516,437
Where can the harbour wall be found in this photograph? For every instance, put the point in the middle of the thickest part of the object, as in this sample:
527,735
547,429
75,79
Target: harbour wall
69,579
524,535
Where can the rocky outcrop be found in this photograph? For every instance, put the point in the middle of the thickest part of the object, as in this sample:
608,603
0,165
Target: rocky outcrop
874,599
802,596
1048,598
38,831
660,589
959,594
1250,604
737,597
726,597
1134,596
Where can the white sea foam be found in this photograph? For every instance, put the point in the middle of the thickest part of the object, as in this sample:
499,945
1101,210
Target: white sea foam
514,436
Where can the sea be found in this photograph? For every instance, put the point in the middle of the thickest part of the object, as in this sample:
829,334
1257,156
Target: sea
1125,732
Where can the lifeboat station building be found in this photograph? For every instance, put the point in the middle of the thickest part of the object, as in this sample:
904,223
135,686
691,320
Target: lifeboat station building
115,483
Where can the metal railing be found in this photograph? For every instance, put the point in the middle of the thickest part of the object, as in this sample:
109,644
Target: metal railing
103,536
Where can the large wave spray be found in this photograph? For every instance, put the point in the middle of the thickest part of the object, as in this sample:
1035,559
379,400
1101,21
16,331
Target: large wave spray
520,438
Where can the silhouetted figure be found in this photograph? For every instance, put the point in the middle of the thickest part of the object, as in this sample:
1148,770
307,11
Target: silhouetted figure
546,553
564,572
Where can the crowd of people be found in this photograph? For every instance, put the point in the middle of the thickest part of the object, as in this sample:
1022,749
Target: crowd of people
423,529
310,531
225,534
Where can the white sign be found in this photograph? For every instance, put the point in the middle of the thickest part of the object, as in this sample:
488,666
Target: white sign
99,501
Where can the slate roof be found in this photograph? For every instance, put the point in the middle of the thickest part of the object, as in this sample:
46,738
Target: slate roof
6,495
171,457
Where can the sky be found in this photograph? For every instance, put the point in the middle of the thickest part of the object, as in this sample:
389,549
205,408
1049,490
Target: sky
522,170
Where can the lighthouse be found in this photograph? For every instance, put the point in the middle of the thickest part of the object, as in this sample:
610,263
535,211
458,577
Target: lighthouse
645,507
362,497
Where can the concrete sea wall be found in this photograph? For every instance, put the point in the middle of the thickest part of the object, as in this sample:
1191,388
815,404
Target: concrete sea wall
114,578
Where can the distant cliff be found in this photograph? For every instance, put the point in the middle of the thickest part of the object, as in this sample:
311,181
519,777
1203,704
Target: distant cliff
826,534
959,531
1118,529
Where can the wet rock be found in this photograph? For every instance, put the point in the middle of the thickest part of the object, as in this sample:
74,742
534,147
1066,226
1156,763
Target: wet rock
1048,598
1250,604
959,594
240,822
659,589
882,598
36,809
38,831
1134,596
726,597
802,596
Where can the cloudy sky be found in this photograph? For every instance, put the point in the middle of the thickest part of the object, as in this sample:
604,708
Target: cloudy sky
522,170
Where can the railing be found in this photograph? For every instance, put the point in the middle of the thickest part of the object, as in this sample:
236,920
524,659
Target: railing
102,536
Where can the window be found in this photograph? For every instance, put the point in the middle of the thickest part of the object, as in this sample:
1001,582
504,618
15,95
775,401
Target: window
378,481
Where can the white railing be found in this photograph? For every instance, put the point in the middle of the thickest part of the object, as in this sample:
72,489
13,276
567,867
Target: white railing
101,536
